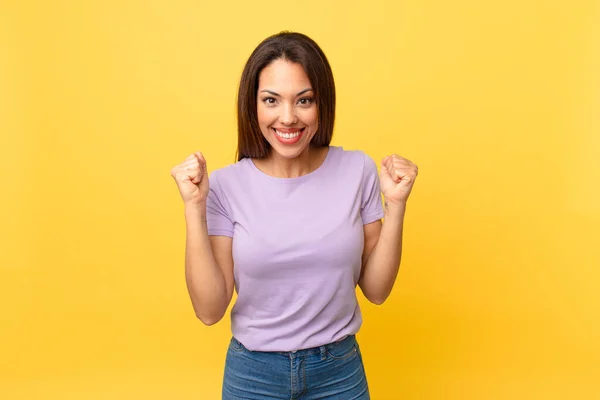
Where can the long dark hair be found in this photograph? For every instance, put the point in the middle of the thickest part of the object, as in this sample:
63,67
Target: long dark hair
297,48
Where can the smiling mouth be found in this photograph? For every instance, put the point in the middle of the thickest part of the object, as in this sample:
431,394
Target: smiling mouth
289,133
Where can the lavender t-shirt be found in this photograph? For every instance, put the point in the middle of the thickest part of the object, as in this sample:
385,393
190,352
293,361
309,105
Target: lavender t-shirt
297,247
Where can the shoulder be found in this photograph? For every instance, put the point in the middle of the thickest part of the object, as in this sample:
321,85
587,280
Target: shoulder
356,158
229,173
229,181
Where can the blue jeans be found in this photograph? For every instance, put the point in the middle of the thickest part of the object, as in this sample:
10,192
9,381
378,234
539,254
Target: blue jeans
332,371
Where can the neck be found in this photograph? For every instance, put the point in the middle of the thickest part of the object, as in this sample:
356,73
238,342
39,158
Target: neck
308,161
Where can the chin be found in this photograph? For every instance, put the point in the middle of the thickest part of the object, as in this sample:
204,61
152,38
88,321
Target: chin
288,151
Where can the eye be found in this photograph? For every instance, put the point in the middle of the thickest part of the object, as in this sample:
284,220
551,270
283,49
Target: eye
305,101
269,100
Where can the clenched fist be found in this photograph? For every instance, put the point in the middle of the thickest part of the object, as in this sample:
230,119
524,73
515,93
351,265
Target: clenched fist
192,179
396,178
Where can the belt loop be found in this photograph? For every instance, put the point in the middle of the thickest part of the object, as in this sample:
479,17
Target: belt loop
323,350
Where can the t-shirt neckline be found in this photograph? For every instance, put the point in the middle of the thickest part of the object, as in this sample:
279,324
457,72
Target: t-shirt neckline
297,179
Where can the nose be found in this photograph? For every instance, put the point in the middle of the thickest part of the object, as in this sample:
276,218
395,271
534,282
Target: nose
288,115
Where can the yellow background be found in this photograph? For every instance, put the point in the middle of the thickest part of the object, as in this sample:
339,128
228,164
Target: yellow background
498,103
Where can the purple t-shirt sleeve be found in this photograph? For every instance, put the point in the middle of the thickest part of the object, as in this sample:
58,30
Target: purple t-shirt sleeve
371,208
217,218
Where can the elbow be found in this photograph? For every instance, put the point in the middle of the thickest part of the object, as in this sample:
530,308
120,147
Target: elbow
375,295
209,319
378,300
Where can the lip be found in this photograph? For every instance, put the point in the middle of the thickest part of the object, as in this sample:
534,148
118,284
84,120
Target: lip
289,130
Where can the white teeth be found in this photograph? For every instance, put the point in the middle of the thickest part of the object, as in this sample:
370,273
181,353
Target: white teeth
287,135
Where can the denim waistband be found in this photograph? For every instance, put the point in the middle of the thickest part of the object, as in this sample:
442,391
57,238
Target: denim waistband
349,339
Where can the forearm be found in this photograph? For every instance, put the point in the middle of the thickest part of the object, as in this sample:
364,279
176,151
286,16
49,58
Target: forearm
205,280
381,268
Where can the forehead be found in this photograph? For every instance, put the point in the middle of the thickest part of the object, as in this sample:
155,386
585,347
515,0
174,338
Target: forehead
283,75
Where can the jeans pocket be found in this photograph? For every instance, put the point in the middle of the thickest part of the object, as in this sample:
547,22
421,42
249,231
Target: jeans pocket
236,345
342,350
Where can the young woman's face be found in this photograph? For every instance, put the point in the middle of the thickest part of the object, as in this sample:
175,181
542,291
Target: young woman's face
287,112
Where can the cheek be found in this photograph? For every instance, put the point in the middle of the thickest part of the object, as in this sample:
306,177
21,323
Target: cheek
314,118
309,117
264,115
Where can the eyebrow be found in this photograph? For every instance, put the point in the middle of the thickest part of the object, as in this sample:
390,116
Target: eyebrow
277,94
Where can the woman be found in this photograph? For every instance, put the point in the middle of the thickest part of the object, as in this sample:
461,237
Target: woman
294,226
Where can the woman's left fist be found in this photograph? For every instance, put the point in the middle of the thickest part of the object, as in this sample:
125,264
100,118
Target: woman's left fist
396,178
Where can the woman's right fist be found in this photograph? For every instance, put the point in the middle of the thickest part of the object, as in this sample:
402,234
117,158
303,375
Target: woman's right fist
192,179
